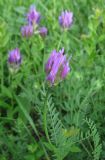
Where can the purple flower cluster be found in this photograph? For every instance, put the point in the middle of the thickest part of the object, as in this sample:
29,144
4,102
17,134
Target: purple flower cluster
14,56
33,19
66,19
27,30
57,66
43,31
33,16
14,59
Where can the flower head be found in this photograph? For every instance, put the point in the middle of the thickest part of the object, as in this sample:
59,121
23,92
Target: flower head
14,56
66,19
33,16
43,31
27,31
65,69
14,59
50,61
57,66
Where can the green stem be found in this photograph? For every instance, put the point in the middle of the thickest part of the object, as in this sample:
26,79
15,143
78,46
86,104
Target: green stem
90,145
45,119
60,40
32,125
83,103
2,69
85,148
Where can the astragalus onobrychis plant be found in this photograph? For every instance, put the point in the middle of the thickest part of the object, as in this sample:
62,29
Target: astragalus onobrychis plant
45,98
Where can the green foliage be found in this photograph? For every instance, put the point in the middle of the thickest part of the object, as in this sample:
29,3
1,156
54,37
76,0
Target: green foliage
61,141
64,122
96,139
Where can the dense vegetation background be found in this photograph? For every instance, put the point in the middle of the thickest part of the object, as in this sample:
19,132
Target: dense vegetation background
73,127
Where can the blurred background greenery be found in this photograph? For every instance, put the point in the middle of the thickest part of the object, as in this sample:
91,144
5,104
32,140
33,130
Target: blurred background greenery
81,95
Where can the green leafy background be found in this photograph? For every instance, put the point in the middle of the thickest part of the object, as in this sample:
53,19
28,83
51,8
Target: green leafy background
66,121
